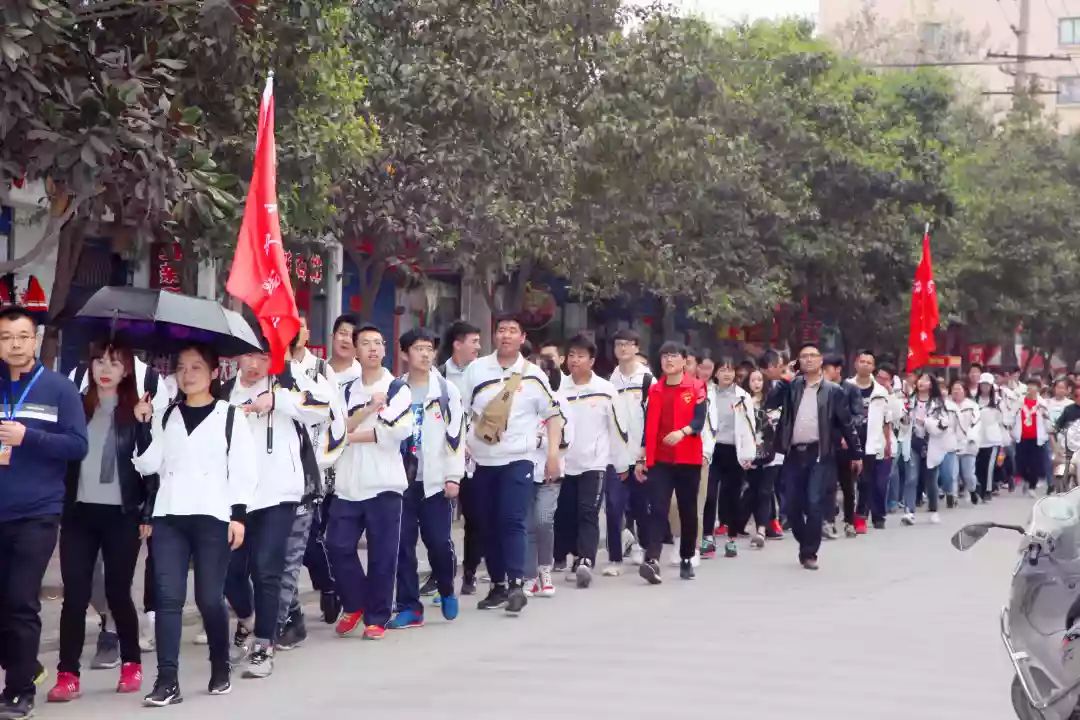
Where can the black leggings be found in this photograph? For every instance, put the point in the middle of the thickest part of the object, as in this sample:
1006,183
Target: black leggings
89,528
683,480
760,493
986,469
725,488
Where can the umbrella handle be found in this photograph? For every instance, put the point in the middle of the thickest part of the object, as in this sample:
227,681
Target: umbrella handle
270,421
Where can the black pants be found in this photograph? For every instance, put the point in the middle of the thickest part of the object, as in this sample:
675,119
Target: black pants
1030,461
149,601
725,488
474,539
986,469
87,529
683,480
180,541
804,477
25,548
577,516
316,560
846,481
253,585
760,493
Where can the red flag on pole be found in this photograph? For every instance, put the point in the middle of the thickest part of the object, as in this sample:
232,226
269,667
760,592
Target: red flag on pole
259,276
924,310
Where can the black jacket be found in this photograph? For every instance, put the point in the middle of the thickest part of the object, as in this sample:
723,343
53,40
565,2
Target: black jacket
134,488
835,419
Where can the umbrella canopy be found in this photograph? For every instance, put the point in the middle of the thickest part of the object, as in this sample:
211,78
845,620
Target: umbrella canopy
164,322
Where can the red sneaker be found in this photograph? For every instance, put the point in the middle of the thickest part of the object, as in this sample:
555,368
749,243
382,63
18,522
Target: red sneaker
66,688
349,622
720,531
130,678
775,531
860,525
374,632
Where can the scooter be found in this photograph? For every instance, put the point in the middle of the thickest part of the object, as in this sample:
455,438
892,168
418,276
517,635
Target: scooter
1045,583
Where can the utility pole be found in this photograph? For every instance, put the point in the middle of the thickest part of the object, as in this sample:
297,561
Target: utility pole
1023,30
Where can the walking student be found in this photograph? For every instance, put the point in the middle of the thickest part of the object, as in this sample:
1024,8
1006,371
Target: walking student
674,418
369,497
764,470
540,537
43,429
626,498
103,511
931,432
815,412
507,397
734,453
991,435
845,475
965,426
1031,431
434,458
205,458
598,432
875,425
278,411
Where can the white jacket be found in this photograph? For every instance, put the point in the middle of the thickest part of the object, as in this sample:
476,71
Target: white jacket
441,445
745,427
991,428
1042,421
966,426
940,437
708,433
200,473
328,434
599,427
377,467
1010,402
539,453
633,409
281,472
879,419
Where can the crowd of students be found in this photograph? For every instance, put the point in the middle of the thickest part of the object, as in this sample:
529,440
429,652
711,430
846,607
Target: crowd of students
246,482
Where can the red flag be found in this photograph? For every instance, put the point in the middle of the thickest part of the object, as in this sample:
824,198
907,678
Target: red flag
924,310
259,275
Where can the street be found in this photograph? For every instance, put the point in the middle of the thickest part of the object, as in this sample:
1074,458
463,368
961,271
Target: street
896,625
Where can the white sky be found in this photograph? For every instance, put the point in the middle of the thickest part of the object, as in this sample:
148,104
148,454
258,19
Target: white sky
734,10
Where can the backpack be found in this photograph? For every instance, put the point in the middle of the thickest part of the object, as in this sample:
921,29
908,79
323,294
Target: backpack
230,418
493,421
646,383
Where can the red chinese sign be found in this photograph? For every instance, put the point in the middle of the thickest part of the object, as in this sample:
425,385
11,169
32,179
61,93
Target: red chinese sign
166,261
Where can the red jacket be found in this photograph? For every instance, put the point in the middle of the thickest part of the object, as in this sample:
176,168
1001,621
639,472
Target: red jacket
689,450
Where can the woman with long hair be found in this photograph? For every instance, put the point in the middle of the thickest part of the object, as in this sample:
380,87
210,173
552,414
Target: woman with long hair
104,512
991,435
930,425
762,475
966,429
205,458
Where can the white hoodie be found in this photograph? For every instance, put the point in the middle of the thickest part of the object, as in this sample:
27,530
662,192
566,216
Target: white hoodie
966,425
599,426
991,428
280,470
633,409
745,427
377,467
441,445
879,419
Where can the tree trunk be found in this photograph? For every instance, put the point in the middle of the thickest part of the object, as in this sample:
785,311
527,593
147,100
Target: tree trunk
370,272
72,237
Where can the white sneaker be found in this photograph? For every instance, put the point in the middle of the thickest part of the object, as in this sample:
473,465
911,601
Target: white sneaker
908,519
531,587
612,570
637,555
1028,493
675,560
200,638
147,639
547,585
628,541
935,518
696,560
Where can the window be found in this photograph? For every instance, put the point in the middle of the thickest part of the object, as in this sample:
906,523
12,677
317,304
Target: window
1069,31
931,35
1069,90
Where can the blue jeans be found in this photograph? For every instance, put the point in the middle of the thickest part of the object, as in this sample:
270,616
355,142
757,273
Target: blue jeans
380,519
616,502
897,476
260,562
917,470
968,478
804,478
177,541
504,496
428,518
949,473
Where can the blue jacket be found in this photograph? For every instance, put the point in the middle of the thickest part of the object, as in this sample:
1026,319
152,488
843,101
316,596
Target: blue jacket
32,485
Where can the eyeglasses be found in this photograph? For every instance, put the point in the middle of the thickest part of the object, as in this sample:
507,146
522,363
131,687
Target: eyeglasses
809,355
21,339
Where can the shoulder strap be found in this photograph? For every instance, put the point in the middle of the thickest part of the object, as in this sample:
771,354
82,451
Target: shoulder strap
227,388
395,387
80,375
150,381
646,383
230,417
168,412
444,399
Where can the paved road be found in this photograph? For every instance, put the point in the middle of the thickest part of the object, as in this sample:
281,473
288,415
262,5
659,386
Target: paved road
896,625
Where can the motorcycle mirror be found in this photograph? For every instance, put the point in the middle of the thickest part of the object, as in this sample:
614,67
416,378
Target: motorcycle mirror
967,536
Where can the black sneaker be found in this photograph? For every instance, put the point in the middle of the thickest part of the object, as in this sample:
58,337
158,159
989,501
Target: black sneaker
16,707
220,680
330,605
497,597
516,600
686,570
107,655
583,573
950,501
974,498
879,524
468,585
165,692
650,570
293,634
430,587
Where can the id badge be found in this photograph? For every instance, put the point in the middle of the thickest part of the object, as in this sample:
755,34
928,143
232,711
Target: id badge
5,455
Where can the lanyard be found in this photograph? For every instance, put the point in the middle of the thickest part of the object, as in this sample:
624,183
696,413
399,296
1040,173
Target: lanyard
11,412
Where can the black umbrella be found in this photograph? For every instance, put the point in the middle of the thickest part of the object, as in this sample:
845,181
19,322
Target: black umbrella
164,322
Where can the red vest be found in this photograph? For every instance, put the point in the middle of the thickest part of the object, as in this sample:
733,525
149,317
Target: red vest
689,450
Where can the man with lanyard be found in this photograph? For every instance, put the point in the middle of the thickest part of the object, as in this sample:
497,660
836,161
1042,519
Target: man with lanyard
814,412
463,339
501,441
434,463
42,431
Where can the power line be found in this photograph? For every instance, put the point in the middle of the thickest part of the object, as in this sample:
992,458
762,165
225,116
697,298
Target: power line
1004,15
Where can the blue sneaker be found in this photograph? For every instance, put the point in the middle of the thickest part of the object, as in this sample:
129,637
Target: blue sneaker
450,607
406,619
436,600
